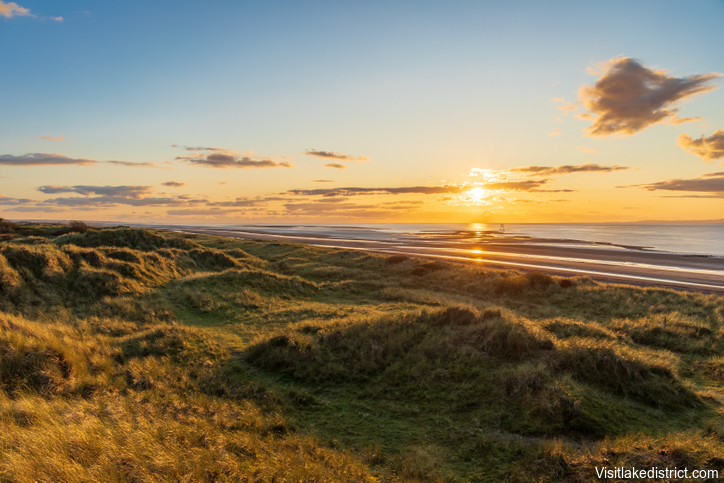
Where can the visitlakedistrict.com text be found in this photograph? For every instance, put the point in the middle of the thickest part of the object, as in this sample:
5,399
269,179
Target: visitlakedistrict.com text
653,472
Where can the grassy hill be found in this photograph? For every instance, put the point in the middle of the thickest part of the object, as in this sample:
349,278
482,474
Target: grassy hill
133,355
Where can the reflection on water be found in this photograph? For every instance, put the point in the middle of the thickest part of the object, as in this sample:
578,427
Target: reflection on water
685,238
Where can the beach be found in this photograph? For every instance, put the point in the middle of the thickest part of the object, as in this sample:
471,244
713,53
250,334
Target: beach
605,262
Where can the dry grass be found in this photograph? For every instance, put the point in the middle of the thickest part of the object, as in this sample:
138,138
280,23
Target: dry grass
346,366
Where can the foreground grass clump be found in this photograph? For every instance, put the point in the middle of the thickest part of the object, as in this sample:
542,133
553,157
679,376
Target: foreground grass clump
137,355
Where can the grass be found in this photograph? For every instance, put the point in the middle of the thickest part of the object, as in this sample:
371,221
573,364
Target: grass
136,355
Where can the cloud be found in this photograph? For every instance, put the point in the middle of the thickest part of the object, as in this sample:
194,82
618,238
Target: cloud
202,212
707,183
564,105
51,138
12,9
322,181
187,148
42,159
555,132
134,165
120,200
629,97
57,19
6,200
35,209
246,202
333,155
336,166
404,202
174,184
707,148
54,159
584,149
527,185
682,120
427,190
135,192
567,169
231,159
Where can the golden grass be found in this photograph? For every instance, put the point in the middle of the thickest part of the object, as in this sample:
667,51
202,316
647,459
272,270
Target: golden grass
312,364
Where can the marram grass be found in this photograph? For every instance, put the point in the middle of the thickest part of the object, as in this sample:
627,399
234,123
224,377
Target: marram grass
136,355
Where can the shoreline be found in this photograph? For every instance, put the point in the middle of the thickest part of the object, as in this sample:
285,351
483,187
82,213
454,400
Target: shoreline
606,264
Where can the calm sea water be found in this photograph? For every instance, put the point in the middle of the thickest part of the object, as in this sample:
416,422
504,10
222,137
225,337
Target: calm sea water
685,238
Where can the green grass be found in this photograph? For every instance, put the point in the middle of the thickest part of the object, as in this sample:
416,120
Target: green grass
136,355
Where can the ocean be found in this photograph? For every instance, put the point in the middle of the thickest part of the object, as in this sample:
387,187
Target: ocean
681,238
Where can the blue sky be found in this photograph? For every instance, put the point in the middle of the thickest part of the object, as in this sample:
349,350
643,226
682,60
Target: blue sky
425,91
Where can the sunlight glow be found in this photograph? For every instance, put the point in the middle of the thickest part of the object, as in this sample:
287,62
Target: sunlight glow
477,194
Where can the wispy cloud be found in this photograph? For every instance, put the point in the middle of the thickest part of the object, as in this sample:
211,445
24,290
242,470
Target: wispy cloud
107,196
554,132
566,169
135,192
336,166
54,138
707,183
427,190
199,148
6,200
205,212
564,105
535,171
12,9
57,19
136,165
54,159
707,148
42,159
584,149
629,97
174,184
230,158
322,181
333,155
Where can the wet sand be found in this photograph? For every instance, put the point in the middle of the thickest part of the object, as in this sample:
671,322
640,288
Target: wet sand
602,262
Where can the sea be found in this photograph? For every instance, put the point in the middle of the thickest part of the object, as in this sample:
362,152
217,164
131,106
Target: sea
701,239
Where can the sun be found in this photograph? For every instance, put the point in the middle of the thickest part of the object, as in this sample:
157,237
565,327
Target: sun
477,194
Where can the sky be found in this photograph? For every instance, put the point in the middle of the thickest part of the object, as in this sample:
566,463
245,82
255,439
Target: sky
361,112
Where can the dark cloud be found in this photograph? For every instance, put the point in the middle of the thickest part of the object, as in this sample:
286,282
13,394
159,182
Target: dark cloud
336,165
42,159
708,183
707,148
232,160
191,148
50,159
567,169
120,200
333,155
629,97
37,209
174,184
135,192
6,200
